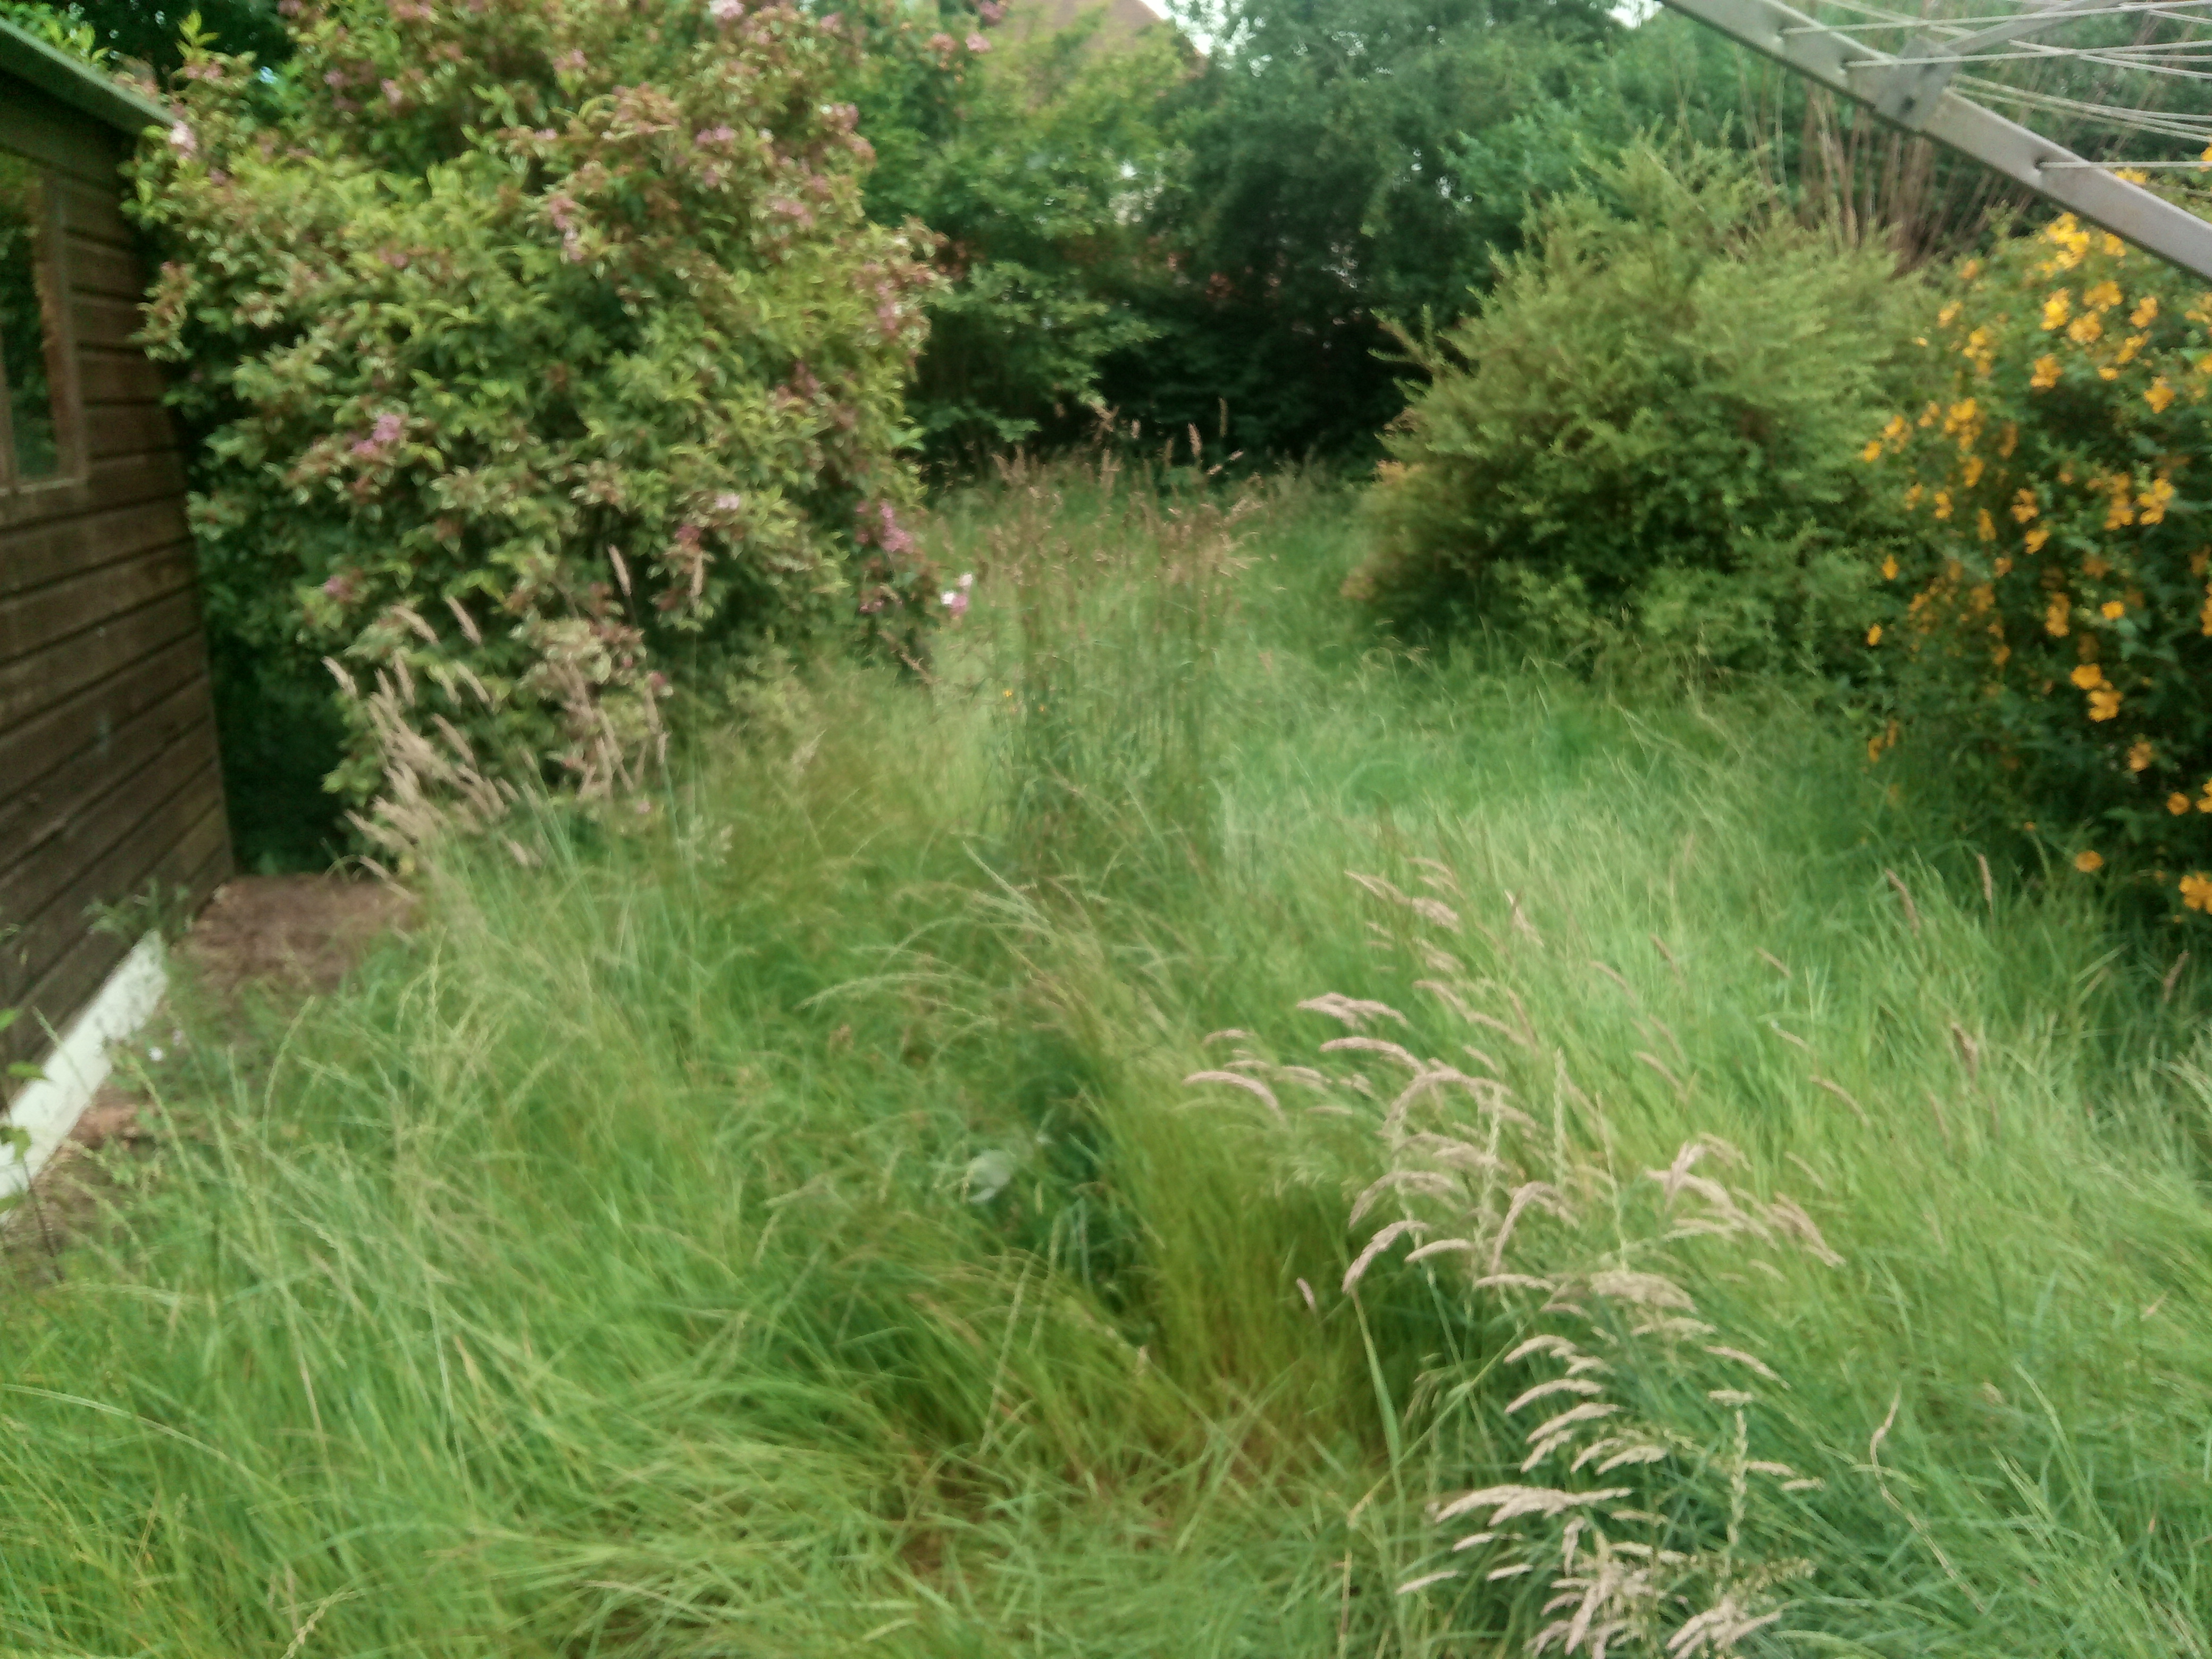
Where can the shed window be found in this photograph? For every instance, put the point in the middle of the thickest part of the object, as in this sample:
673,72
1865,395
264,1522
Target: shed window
30,355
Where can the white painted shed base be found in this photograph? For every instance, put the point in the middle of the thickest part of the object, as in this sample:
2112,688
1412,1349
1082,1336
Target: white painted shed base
80,1062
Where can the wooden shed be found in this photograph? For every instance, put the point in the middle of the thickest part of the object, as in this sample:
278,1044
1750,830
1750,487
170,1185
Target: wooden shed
110,791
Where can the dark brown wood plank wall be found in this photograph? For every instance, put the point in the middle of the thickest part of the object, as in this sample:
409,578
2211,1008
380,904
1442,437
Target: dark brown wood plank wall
109,784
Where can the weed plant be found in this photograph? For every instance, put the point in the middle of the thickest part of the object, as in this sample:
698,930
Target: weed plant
782,1226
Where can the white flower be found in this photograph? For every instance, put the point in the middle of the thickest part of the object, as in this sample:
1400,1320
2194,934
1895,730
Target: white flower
183,140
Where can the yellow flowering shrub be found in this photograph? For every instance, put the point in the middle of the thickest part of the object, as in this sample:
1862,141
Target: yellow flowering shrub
2054,618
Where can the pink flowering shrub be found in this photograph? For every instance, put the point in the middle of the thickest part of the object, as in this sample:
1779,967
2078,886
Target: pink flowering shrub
543,359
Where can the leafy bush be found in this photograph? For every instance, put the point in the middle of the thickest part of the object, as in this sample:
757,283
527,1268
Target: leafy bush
1636,439
544,357
2058,626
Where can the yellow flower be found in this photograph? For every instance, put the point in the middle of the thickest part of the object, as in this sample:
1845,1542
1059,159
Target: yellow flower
2007,440
2024,506
1889,569
2207,616
2177,803
2086,329
2122,511
2153,500
2196,891
2103,296
2115,249
1874,635
1985,525
2057,308
2054,618
2114,610
2129,346
1942,504
2159,395
1948,315
2088,677
2139,757
2144,314
2046,371
2003,566
2199,560
1896,429
2094,566
1872,451
2104,704
2035,539
1969,271
2088,862
1971,474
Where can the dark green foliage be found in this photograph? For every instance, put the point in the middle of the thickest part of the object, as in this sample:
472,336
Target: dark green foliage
1647,433
1031,154
154,33
1325,192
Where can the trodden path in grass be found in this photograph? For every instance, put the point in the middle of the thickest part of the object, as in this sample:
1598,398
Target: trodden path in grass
782,1223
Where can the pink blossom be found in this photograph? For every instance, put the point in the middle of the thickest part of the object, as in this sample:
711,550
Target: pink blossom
990,11
570,63
723,11
893,538
334,78
340,588
939,43
956,602
715,136
184,141
393,94
388,428
978,45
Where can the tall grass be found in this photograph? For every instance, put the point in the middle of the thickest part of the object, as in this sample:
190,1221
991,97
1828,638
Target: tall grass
782,1226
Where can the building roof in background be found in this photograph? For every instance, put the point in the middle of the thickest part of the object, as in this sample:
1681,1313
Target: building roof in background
76,83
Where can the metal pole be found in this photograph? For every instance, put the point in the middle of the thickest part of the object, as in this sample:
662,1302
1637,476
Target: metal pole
1909,92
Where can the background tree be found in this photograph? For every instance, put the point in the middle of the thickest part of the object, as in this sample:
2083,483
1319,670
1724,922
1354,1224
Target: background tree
1036,154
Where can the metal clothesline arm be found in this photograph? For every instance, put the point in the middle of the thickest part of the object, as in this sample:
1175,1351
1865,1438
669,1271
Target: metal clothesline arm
1899,90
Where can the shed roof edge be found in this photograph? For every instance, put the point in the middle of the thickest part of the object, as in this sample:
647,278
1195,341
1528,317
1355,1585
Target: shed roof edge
77,84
